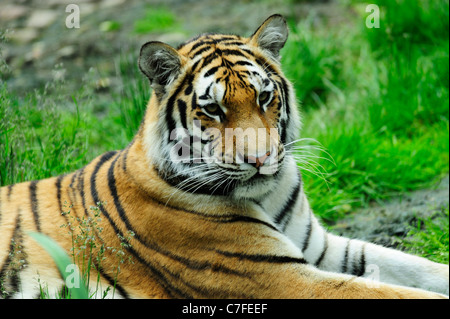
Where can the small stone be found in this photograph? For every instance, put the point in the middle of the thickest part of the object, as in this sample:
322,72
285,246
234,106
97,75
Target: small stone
111,3
41,18
87,8
67,51
12,12
23,36
172,38
36,51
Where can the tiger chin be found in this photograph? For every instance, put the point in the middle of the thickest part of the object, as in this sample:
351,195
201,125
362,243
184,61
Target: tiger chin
213,215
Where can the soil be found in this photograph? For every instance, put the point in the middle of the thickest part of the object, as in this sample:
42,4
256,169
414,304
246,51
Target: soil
387,223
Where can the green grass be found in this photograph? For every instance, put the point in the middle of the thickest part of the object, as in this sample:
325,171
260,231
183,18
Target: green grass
375,99
430,237
156,19
38,140
63,261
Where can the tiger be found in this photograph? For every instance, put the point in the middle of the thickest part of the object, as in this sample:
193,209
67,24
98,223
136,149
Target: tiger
203,218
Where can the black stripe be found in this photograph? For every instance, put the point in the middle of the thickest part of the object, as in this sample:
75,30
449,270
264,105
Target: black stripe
10,188
207,44
283,135
324,251
80,181
103,159
58,196
125,156
182,111
189,263
209,59
286,210
264,258
170,106
246,219
351,268
82,192
194,104
72,195
162,279
193,70
58,192
72,180
233,42
344,261
229,37
285,95
34,204
200,51
112,282
206,96
362,263
227,218
212,71
235,52
15,241
308,233
117,203
189,88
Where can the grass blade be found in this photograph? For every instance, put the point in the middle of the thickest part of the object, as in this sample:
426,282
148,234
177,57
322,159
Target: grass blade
62,261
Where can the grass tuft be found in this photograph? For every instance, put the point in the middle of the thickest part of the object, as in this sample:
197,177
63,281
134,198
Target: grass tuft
156,19
76,291
430,237
377,100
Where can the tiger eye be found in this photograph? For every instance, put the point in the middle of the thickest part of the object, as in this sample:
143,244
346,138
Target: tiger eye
213,108
264,98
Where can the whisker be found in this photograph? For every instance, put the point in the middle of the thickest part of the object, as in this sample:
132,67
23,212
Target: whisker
180,187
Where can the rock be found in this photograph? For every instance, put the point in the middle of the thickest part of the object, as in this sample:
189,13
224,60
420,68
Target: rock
12,12
41,18
383,224
23,36
36,52
111,3
173,38
66,52
87,8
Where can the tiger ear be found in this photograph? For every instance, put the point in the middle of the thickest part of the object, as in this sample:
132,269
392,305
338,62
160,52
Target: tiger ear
160,63
271,35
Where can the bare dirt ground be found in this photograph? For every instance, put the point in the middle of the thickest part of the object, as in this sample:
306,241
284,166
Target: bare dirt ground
385,223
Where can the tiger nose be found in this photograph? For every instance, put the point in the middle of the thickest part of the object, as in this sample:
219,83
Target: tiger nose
257,161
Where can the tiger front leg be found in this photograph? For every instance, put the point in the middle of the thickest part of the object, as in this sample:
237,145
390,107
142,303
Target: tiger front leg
362,259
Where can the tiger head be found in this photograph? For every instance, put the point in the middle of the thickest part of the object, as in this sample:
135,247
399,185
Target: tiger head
222,113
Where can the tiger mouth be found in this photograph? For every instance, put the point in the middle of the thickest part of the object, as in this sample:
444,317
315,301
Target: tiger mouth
232,178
